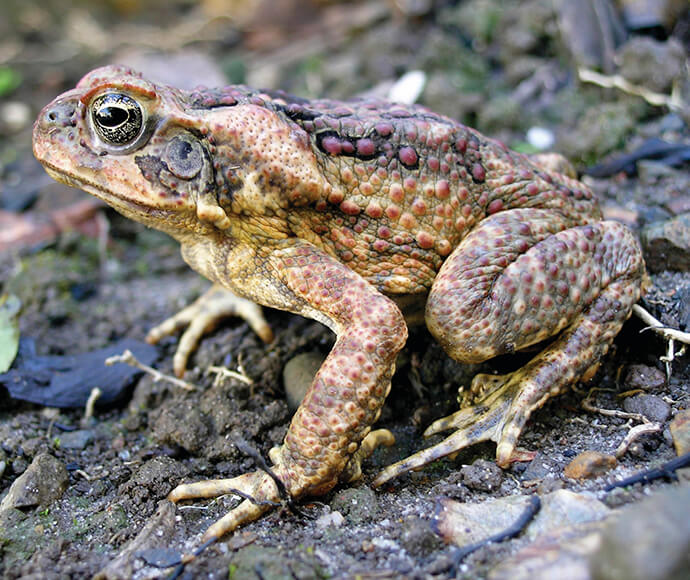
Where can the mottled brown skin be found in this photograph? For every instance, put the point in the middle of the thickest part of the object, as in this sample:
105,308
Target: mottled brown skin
345,212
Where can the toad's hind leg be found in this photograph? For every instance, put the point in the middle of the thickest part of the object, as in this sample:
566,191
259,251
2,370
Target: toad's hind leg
520,278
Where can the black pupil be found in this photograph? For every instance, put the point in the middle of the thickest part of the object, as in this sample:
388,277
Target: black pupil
185,150
112,116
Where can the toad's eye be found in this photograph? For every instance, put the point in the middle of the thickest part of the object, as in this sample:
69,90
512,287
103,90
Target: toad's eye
117,118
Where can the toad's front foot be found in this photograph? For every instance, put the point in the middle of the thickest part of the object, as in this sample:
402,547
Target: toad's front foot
202,316
258,485
261,491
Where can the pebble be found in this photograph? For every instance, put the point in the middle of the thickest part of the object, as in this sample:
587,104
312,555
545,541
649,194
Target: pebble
333,519
650,406
408,88
680,432
589,464
357,504
540,138
14,116
462,523
43,482
298,375
540,467
78,439
482,475
566,508
650,540
418,539
466,523
644,377
560,554
652,63
666,244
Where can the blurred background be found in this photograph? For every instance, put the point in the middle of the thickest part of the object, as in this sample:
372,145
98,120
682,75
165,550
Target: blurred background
577,77
605,82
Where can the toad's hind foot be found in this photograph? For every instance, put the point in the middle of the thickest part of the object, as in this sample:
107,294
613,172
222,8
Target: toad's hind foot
202,316
496,417
259,489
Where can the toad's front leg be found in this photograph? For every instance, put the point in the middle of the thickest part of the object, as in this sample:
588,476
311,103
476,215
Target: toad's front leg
347,393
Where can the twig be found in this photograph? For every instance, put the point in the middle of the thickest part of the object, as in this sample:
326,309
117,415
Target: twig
94,395
227,373
670,334
634,434
673,101
128,358
666,470
588,406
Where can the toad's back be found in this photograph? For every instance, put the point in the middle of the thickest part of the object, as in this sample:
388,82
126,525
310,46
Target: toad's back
407,184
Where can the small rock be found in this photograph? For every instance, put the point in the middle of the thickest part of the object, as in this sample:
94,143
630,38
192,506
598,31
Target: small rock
467,523
14,116
589,464
19,465
600,130
641,15
541,138
408,88
566,508
540,467
678,205
680,431
357,504
650,172
482,475
651,63
667,244
35,445
273,563
549,485
418,539
463,524
650,540
78,439
650,406
452,490
332,519
560,554
644,377
298,375
43,482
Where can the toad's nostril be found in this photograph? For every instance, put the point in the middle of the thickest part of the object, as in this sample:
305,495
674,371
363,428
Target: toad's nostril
59,113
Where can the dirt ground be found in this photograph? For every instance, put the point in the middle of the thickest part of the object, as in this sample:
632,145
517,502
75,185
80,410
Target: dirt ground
83,289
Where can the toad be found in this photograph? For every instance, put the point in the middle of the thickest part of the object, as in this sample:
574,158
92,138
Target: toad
351,213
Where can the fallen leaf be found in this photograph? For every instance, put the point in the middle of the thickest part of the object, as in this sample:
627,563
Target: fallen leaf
9,330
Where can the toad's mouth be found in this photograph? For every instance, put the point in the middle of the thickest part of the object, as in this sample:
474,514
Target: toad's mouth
124,205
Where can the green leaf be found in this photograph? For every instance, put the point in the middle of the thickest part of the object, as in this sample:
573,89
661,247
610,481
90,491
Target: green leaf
9,330
10,79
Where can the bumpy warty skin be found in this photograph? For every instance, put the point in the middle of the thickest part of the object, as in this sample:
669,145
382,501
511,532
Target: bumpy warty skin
342,212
